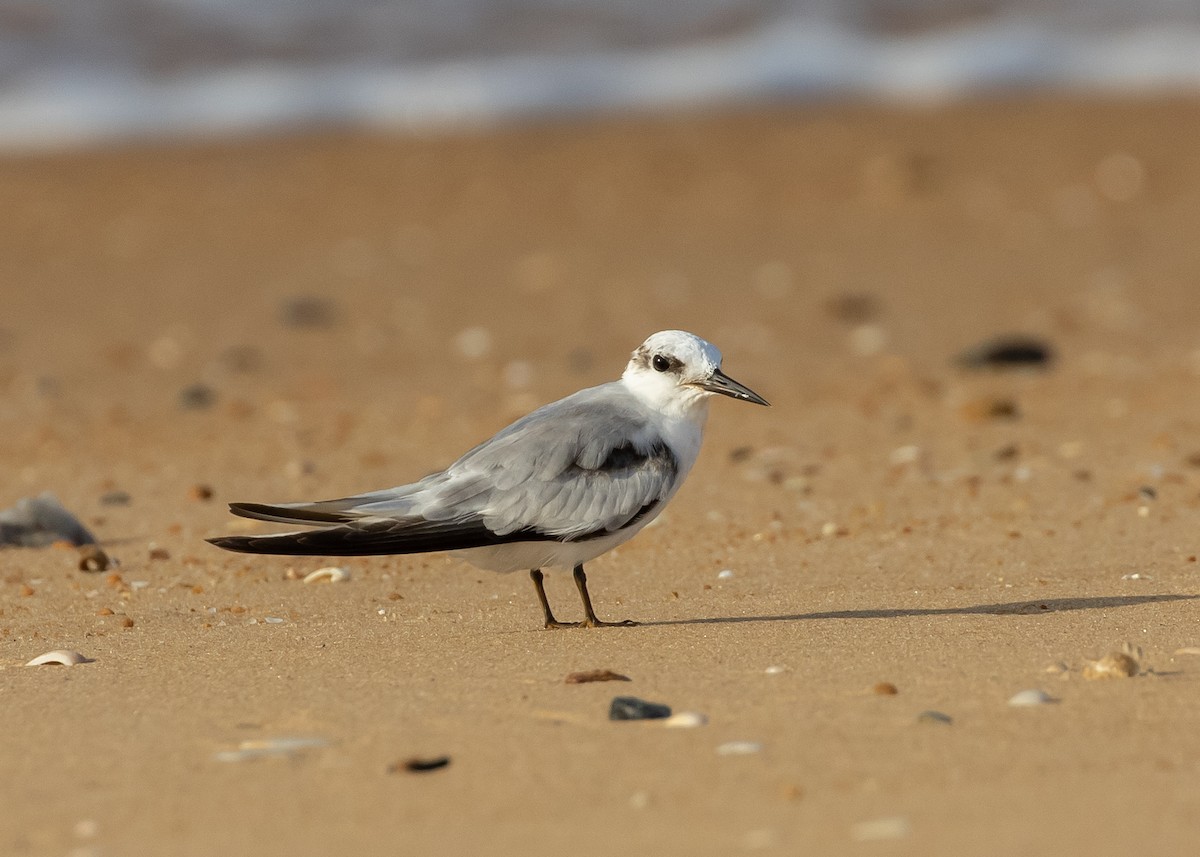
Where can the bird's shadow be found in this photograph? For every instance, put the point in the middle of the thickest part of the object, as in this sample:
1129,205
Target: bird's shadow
1006,608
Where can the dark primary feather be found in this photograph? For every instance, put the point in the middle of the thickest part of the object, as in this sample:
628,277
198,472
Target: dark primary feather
590,468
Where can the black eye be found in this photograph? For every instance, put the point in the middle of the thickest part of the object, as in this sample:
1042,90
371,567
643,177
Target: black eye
660,363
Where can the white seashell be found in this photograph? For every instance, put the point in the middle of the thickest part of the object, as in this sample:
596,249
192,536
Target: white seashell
775,670
333,574
739,748
59,657
685,720
273,620
1031,698
725,574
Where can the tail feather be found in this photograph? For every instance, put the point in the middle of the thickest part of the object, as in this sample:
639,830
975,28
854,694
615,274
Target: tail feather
307,513
377,537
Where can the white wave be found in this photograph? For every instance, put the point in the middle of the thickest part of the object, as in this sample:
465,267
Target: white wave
785,61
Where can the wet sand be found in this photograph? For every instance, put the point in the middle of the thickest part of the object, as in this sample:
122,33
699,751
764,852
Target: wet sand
310,316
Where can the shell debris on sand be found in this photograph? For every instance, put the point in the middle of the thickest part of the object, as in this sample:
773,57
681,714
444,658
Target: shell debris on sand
59,657
685,720
1123,664
268,748
1031,698
588,676
739,748
333,573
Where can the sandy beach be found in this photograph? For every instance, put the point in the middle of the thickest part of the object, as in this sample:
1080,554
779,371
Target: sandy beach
314,315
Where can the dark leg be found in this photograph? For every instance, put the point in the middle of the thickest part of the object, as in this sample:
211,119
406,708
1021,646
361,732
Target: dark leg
591,621
535,574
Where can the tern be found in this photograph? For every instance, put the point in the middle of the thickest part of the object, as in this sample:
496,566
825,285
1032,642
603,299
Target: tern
557,488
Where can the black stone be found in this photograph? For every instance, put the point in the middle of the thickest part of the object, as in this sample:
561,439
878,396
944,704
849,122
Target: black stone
1008,352
632,708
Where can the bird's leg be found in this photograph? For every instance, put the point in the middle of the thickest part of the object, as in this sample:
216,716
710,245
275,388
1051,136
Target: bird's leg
535,574
590,620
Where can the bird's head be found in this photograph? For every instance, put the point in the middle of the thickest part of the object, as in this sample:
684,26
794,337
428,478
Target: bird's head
676,370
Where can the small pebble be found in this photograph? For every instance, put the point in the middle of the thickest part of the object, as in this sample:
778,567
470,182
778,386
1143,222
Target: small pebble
273,620
200,492
725,574
853,308
588,676
885,688
739,748
159,553
632,708
307,312
1031,698
775,670
937,717
115,498
197,397
333,573
59,657
419,764
1008,352
685,720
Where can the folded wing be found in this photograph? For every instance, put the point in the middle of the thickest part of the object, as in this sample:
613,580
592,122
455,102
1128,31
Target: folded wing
581,468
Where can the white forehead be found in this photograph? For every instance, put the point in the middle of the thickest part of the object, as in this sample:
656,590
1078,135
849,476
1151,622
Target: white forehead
688,348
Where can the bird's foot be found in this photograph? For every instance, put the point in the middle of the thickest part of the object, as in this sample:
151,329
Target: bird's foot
597,623
554,625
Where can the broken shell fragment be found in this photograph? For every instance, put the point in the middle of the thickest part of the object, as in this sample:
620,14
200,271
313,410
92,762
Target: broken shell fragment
59,657
685,720
333,573
269,748
1112,665
92,558
1031,698
588,676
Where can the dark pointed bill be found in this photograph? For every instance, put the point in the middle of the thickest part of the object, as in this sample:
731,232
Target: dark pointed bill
726,386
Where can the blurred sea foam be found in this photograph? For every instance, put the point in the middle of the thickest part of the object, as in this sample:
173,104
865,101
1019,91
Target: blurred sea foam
77,71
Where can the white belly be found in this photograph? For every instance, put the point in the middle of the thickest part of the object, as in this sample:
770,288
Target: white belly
548,554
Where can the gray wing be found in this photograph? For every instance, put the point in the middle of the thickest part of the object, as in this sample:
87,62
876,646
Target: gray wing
582,467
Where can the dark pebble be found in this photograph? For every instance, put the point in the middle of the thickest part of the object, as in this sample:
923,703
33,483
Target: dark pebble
197,397
115,498
308,312
935,717
632,708
1008,352
588,676
417,765
852,308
